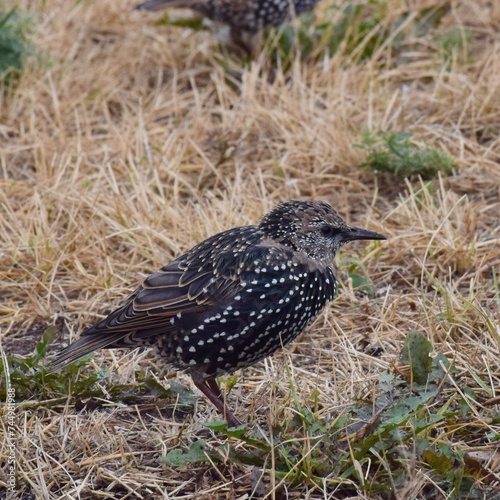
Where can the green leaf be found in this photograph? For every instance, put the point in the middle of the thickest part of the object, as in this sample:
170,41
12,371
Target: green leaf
196,453
438,461
194,23
420,424
241,432
416,353
48,337
221,426
357,273
440,365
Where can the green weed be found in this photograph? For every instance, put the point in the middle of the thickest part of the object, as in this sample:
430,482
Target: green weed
356,271
454,44
394,152
194,23
374,443
15,45
33,384
357,32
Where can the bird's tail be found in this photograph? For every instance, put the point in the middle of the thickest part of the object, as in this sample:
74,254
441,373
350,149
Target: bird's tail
161,4
83,346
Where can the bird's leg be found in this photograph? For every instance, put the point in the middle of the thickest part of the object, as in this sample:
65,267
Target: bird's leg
247,42
211,390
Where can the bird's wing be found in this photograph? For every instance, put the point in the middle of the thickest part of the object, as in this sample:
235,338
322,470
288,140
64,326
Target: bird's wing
187,290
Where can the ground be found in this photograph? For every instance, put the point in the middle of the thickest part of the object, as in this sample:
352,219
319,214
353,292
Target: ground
124,142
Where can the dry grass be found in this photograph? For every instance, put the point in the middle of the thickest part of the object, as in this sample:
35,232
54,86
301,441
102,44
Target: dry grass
132,144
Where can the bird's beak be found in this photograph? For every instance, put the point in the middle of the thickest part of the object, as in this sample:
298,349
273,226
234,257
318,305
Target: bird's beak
356,233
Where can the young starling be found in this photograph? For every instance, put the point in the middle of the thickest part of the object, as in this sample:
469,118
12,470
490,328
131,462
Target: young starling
246,18
234,298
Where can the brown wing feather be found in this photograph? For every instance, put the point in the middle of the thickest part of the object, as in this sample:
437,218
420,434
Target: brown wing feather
197,285
163,296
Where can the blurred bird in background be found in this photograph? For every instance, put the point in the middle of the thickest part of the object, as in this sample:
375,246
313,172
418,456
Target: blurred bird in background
245,18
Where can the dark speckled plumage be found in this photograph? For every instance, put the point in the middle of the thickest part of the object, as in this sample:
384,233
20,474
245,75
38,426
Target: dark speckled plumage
248,16
233,299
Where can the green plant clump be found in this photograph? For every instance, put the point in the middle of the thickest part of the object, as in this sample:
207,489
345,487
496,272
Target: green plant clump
15,46
34,385
395,153
454,43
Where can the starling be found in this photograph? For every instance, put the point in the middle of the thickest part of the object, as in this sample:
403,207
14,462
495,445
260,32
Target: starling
233,299
246,18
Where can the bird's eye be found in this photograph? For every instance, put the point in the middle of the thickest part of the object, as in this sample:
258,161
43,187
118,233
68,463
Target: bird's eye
326,230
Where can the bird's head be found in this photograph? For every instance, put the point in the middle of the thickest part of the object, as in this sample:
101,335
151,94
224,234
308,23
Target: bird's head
314,228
